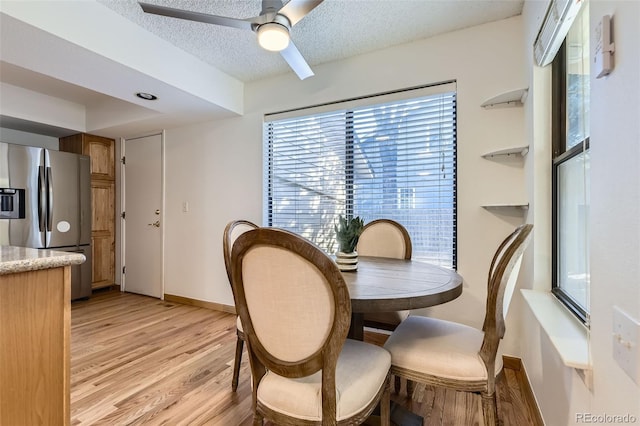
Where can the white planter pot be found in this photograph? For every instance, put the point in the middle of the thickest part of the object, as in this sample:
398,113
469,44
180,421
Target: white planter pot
347,261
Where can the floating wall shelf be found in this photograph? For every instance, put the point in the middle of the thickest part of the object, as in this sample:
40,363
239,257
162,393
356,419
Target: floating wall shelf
514,98
498,207
508,99
517,151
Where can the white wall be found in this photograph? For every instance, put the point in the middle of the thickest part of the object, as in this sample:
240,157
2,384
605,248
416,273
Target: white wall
615,204
25,138
615,226
23,104
217,166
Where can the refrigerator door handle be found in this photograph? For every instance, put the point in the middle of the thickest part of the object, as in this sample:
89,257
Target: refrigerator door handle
42,199
49,199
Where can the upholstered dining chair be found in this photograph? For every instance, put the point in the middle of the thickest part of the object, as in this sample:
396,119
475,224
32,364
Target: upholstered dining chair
231,232
447,354
295,308
384,238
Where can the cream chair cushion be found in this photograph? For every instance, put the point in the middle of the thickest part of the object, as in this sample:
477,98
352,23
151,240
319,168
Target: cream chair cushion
440,348
361,370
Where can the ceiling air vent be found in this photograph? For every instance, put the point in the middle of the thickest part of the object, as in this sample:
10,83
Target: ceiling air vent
554,29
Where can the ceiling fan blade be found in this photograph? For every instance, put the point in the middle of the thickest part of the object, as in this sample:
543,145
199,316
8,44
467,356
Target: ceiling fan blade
296,61
195,16
295,10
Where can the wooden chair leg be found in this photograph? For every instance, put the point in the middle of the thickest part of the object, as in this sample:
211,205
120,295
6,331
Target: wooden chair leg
257,419
489,409
236,364
385,405
396,384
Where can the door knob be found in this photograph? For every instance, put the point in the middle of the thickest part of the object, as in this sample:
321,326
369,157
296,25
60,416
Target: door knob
156,224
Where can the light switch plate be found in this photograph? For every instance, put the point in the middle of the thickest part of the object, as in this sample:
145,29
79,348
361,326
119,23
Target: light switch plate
626,337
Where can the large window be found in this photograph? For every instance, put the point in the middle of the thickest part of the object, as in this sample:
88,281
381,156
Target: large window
379,157
571,168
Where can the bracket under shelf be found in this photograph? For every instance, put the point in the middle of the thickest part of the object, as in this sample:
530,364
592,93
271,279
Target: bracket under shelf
517,151
512,98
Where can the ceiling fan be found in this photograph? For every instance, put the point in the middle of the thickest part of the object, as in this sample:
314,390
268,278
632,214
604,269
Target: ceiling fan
272,26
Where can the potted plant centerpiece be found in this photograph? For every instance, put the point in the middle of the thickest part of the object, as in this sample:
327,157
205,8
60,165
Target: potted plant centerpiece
347,233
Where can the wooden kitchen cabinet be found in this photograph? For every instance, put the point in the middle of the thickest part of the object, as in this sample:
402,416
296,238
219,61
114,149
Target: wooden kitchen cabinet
102,153
34,336
102,233
101,150
35,333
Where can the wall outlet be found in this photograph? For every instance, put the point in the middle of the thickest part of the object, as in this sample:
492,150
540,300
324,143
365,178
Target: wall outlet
626,337
185,206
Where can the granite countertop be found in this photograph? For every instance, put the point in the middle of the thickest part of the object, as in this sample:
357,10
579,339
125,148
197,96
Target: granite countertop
22,259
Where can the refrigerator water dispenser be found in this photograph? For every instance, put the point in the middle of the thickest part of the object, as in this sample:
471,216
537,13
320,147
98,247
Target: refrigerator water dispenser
11,203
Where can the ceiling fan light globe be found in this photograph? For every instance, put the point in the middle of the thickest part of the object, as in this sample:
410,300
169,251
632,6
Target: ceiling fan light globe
273,36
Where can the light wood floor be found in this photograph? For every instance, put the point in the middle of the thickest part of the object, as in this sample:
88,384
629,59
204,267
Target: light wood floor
138,360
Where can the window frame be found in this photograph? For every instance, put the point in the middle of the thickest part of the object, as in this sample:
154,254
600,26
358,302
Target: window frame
349,141
560,155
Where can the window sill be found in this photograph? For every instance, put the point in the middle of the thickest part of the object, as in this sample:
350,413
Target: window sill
569,337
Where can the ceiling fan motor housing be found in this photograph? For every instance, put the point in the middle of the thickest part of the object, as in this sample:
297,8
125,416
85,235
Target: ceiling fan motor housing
274,35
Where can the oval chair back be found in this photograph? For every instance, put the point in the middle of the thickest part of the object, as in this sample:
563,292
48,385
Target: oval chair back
232,231
384,238
503,274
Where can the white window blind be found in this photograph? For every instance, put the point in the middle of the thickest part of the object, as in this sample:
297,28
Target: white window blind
394,160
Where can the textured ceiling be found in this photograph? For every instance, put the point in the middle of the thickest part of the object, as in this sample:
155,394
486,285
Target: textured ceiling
57,79
334,30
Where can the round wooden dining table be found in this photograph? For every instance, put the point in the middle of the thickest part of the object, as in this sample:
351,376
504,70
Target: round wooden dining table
383,285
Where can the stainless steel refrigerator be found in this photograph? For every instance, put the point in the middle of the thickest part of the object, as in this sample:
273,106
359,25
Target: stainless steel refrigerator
46,204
